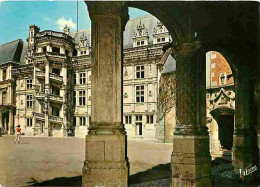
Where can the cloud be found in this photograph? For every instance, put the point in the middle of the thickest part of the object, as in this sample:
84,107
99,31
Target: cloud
62,22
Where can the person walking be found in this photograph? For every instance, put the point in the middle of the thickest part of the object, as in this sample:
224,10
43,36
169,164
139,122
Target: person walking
18,134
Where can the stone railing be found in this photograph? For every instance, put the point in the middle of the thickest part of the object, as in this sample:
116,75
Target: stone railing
40,74
55,98
58,55
56,119
56,77
142,52
39,95
54,33
39,115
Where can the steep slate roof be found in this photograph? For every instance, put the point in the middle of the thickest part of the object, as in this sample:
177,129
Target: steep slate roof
168,62
169,65
24,51
149,22
11,51
77,36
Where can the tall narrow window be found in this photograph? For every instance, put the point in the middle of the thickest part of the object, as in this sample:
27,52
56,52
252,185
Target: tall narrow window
74,97
82,121
139,72
75,78
29,122
138,118
82,78
82,98
128,119
139,94
4,74
149,119
28,84
29,101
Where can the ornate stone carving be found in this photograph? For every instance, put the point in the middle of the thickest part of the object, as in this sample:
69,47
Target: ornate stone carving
66,30
140,31
160,28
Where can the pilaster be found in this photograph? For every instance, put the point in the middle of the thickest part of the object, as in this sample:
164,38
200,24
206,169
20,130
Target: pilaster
106,162
244,138
191,163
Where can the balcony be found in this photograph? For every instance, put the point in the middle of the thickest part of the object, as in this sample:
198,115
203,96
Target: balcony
39,116
55,119
40,74
55,78
55,98
39,96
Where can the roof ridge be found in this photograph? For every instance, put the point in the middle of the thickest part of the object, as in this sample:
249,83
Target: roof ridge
11,42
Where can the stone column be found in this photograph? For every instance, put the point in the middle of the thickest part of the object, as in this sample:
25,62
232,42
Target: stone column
244,138
64,104
106,162
11,122
46,99
191,163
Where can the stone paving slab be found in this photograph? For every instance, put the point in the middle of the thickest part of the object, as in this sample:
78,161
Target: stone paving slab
40,159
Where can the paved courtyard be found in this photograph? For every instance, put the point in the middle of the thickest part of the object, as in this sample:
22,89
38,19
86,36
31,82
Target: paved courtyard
58,161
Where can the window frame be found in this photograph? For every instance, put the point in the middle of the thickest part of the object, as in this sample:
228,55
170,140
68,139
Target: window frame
82,97
82,121
139,71
29,84
28,122
29,101
82,79
139,93
128,119
149,119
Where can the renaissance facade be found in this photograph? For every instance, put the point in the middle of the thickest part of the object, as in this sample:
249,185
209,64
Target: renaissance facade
45,84
46,81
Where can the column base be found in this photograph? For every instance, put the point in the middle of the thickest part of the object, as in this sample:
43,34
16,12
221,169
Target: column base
191,161
106,163
244,157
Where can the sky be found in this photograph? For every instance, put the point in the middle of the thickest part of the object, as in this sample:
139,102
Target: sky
16,16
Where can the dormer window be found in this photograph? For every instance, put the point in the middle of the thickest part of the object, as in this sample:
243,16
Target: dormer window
140,36
83,46
160,34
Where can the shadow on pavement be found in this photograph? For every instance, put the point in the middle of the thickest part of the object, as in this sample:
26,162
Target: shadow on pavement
162,171
60,181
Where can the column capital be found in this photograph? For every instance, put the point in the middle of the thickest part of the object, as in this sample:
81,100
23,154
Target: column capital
106,8
186,48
